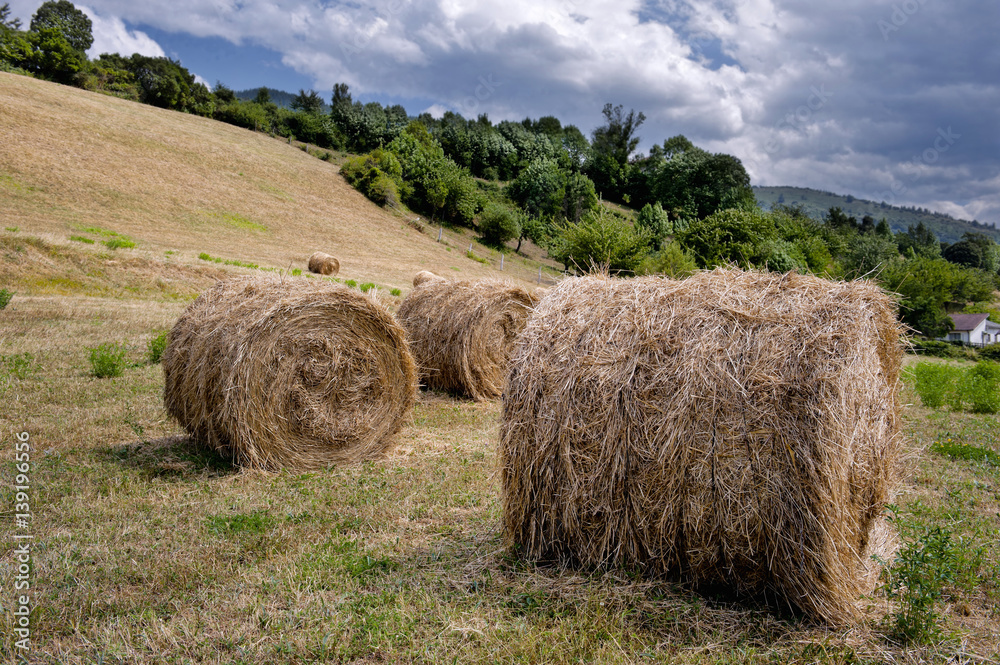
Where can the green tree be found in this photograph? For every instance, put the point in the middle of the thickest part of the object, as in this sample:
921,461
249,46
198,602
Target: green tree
655,219
49,55
869,253
918,240
63,16
616,138
308,102
693,183
730,236
671,260
6,22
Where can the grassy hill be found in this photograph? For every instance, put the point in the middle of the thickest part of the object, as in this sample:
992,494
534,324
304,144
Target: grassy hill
77,167
146,548
816,203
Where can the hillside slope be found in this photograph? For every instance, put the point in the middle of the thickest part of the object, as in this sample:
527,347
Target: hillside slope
816,204
75,163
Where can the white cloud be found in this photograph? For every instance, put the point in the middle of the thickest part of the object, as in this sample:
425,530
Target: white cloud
111,36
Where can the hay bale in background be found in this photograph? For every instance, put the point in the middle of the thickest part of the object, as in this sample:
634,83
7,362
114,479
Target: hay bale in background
461,333
291,373
734,428
426,277
323,264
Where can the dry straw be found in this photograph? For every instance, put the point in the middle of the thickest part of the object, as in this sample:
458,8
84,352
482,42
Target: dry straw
461,333
289,373
323,264
424,277
735,428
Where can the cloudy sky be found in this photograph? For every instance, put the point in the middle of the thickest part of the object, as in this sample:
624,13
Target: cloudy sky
895,100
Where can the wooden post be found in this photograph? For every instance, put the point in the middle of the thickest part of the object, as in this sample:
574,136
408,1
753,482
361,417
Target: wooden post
470,247
539,275
440,231
501,260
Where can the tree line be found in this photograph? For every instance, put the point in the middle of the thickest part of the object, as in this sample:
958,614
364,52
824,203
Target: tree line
679,207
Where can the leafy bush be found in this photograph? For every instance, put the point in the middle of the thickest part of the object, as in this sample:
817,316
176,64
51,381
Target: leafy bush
156,346
5,298
991,352
979,387
935,382
108,359
603,240
672,260
941,349
498,224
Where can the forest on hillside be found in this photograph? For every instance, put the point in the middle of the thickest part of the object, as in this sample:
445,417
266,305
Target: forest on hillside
677,209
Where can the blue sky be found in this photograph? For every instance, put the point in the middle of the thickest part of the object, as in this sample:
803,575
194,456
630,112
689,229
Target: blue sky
893,100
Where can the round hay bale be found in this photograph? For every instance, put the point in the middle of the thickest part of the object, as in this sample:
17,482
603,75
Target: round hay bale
289,374
461,333
426,277
736,428
323,264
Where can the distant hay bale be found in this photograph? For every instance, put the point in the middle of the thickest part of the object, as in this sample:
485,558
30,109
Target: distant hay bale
425,277
735,428
289,374
323,264
461,333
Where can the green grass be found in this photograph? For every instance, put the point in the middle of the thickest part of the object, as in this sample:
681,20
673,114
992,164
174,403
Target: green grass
964,451
368,286
237,221
204,256
5,297
85,240
396,292
96,231
472,255
12,229
119,243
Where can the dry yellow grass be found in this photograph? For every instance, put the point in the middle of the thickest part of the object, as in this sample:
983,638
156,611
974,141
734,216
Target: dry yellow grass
71,159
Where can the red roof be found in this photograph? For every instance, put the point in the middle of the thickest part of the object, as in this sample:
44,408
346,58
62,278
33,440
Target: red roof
967,321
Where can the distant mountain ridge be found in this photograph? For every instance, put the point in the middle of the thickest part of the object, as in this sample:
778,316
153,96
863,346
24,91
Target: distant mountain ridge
279,97
816,203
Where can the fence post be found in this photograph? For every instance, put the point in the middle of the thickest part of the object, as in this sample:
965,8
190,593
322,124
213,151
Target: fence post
501,260
440,230
539,275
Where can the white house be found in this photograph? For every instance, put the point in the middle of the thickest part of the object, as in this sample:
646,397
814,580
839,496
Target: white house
974,329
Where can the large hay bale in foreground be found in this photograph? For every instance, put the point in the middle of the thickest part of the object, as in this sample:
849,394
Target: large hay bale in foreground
289,373
735,428
461,333
323,264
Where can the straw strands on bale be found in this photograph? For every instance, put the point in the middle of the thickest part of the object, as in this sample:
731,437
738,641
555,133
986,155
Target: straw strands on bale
735,428
323,264
289,373
461,333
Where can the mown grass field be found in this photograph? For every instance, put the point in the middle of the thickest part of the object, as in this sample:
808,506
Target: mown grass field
149,550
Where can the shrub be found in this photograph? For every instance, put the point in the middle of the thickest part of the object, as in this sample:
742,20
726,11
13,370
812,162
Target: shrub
603,239
5,298
108,359
155,347
498,224
991,352
656,220
979,387
672,260
935,382
916,580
